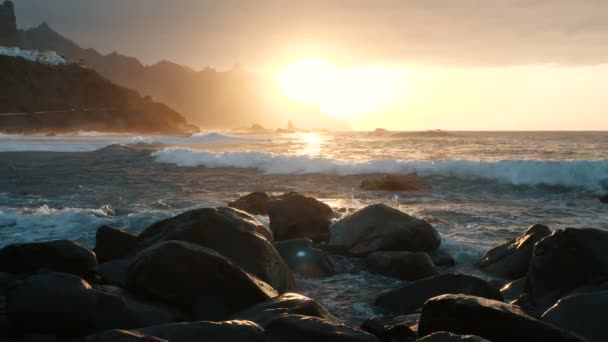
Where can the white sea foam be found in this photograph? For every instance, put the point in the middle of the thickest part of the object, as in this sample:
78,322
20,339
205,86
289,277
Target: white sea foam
590,174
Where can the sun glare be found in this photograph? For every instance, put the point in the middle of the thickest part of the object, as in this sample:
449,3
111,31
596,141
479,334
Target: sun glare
343,92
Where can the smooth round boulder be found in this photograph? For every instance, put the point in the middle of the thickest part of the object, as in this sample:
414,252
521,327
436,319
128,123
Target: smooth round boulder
293,216
181,273
112,243
410,182
511,260
403,265
379,227
388,331
58,255
304,259
443,336
225,331
232,233
297,328
254,203
117,335
411,297
490,319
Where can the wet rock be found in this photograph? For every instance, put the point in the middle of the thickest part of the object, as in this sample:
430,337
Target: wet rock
255,203
295,216
230,232
112,243
57,255
226,331
442,258
490,319
304,259
180,273
409,182
443,336
63,304
565,261
388,331
114,272
297,328
403,265
412,297
379,227
582,313
512,259
513,290
121,336
604,199
286,304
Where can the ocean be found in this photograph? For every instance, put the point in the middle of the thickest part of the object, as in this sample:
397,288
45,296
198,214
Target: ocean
487,187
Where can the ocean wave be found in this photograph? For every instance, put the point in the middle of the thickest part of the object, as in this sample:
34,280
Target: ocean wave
198,138
590,174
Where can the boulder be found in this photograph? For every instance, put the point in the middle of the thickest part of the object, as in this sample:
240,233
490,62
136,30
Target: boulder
513,290
582,313
409,182
57,255
65,305
388,331
181,273
564,261
230,232
604,199
489,319
226,331
297,328
117,335
512,259
304,259
412,297
443,336
114,272
379,227
112,243
286,304
442,258
403,265
295,216
255,203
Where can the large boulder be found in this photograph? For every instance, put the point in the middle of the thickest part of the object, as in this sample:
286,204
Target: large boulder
388,331
412,297
295,216
443,336
112,243
490,319
512,259
513,290
230,232
254,203
57,255
402,265
564,261
304,259
184,274
286,304
65,305
117,335
379,227
297,328
409,182
582,313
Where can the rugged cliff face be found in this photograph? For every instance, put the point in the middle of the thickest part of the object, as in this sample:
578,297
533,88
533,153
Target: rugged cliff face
37,97
8,25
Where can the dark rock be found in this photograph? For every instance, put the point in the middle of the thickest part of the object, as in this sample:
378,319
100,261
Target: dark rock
230,232
402,265
304,259
255,203
295,216
180,273
58,255
296,328
121,336
411,297
442,258
379,227
226,331
512,259
582,313
564,261
443,336
286,304
490,319
65,305
9,35
513,290
604,199
114,272
112,243
388,332
409,182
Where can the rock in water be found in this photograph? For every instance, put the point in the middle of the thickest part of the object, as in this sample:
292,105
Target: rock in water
230,232
296,328
181,273
112,243
512,259
295,216
490,319
379,227
403,265
409,182
411,297
449,337
583,313
255,203
58,255
304,259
